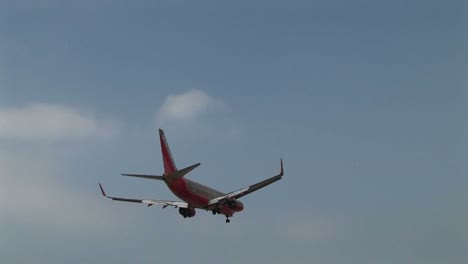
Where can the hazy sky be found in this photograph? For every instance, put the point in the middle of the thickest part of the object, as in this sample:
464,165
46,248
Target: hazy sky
364,100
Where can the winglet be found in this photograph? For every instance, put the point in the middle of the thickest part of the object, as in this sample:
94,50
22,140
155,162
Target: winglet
282,170
102,190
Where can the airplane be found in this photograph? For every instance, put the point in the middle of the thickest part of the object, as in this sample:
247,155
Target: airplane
194,195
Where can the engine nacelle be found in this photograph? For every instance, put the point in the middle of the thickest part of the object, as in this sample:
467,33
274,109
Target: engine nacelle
232,204
191,212
187,212
235,205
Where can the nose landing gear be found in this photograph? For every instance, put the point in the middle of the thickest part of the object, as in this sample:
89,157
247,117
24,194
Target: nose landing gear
227,219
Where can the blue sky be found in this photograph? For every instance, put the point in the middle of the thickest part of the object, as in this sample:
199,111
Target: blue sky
364,100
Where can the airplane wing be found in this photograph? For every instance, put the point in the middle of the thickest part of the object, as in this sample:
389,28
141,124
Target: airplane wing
244,191
164,203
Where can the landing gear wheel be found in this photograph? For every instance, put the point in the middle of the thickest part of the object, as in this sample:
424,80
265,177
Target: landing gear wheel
227,219
216,211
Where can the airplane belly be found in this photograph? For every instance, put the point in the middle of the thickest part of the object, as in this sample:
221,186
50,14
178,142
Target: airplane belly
182,190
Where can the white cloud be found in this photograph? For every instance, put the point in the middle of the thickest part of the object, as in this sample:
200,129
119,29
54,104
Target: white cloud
33,189
188,106
201,114
42,121
33,193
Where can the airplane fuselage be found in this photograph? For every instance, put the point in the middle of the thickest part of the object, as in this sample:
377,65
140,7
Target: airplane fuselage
198,195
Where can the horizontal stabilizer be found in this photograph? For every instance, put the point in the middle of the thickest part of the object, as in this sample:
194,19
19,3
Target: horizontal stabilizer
151,177
180,173
173,176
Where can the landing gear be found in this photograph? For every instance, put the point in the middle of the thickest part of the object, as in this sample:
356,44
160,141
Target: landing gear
216,210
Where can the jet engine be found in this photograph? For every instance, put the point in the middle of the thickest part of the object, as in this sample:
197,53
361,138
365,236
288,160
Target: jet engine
232,204
187,212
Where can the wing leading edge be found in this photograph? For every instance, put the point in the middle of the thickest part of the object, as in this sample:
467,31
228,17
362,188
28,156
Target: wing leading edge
250,189
164,203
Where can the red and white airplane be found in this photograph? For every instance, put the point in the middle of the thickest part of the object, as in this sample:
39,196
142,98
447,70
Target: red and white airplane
193,194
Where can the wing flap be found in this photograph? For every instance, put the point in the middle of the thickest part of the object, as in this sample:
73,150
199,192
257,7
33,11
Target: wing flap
164,203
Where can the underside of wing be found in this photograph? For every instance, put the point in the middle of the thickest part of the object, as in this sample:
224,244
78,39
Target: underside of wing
250,189
164,203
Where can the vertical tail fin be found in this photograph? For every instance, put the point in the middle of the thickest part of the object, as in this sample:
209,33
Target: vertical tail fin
169,165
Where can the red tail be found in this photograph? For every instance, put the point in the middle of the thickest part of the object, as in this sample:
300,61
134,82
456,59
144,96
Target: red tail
169,165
